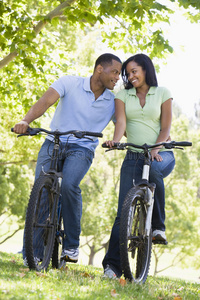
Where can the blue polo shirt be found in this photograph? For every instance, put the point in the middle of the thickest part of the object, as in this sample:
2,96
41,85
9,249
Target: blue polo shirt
78,109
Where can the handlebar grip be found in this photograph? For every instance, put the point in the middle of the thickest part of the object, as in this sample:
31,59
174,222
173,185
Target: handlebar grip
105,146
30,131
96,134
183,144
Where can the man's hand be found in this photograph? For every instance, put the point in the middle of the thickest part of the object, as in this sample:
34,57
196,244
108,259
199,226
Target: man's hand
21,127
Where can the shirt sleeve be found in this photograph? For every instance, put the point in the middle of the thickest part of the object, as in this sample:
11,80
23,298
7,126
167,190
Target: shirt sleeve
121,95
62,85
166,95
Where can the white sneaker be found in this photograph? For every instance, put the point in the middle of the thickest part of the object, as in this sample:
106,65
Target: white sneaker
109,273
70,255
159,235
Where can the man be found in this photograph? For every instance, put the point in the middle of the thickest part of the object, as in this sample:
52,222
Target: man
85,104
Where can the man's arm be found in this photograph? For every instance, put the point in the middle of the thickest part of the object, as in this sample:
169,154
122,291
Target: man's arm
37,110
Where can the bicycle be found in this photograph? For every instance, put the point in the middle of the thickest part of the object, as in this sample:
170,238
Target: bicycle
135,234
43,225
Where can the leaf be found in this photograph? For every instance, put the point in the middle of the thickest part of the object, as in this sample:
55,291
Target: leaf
64,268
122,282
113,293
85,274
13,261
176,296
24,269
22,275
41,274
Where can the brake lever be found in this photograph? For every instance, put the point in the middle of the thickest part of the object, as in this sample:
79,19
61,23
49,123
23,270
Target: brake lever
110,149
30,131
79,135
179,148
88,138
23,134
116,148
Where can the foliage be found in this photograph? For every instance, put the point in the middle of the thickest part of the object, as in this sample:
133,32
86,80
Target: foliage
15,176
100,197
83,282
100,193
40,40
134,23
182,200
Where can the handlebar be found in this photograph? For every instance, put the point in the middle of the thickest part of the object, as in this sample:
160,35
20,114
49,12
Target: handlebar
77,133
167,145
182,144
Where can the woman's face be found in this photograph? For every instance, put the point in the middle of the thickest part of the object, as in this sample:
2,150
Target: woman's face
136,75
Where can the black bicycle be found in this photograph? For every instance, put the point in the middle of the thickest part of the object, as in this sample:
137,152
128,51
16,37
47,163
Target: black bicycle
44,226
135,221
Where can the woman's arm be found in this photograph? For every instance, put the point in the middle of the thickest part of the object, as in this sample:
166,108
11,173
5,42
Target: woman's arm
120,125
165,122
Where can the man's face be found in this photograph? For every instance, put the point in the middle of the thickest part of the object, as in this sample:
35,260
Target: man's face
110,74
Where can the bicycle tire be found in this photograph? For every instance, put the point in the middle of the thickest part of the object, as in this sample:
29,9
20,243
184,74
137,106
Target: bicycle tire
135,248
40,225
57,263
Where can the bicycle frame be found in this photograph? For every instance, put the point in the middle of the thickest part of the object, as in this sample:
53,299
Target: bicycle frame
47,224
148,191
135,235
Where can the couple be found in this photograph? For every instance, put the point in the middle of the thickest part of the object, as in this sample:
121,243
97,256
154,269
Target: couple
142,110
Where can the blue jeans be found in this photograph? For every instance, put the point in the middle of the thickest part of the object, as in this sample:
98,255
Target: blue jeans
132,169
74,161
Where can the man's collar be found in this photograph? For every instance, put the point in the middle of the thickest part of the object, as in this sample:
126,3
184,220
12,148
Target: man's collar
86,86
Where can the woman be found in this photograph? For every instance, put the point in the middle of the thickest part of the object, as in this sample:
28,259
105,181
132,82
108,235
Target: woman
144,111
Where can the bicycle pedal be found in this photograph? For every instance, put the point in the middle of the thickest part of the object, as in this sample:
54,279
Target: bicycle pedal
159,242
68,259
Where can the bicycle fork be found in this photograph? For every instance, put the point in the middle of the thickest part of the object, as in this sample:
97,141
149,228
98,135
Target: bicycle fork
149,198
55,190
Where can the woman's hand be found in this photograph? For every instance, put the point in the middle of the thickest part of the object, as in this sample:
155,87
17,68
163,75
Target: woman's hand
156,155
110,144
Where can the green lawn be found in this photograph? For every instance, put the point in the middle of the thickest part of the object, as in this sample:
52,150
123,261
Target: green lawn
83,282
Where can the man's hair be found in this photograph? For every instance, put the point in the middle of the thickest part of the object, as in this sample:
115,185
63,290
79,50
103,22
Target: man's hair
106,59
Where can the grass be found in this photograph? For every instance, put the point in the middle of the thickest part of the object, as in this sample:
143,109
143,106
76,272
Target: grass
83,282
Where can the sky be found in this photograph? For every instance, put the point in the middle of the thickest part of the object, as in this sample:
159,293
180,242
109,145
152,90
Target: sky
181,75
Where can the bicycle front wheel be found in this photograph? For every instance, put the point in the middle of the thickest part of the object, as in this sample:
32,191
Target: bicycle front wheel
57,262
135,246
40,225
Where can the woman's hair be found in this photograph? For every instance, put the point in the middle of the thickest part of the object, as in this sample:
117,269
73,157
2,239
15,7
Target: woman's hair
146,63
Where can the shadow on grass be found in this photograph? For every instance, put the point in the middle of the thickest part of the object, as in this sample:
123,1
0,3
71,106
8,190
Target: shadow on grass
10,263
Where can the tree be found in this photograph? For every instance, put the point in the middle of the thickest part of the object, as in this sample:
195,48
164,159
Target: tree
15,183
182,201
42,39
23,21
100,197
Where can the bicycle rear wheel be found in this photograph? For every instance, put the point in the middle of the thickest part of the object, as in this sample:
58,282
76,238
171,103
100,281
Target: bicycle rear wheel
135,246
40,225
